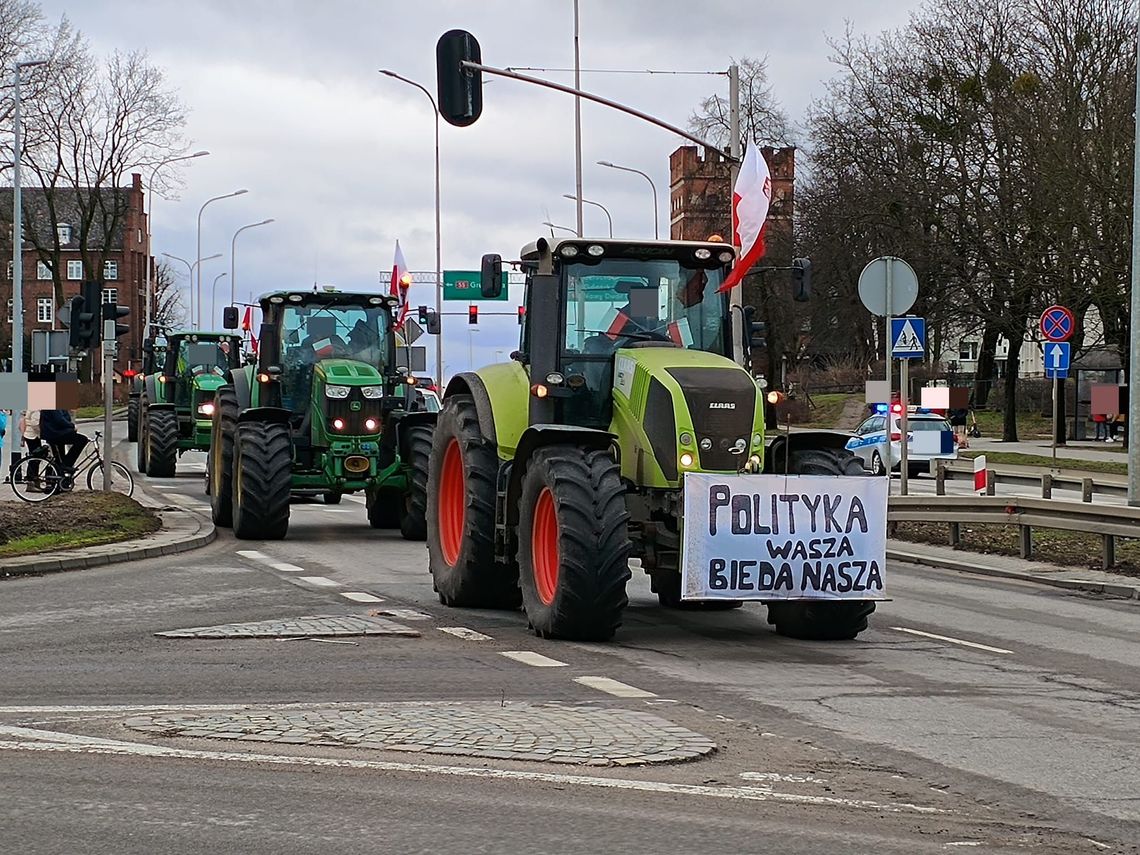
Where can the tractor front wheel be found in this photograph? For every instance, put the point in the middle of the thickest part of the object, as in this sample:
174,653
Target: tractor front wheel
161,439
133,419
221,461
262,476
461,513
141,430
574,544
413,510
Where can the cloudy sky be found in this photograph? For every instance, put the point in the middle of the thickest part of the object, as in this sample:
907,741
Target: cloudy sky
286,96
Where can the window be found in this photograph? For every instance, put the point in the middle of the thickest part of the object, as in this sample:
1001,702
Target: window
967,350
10,269
110,270
45,310
74,270
43,272
11,309
63,232
110,295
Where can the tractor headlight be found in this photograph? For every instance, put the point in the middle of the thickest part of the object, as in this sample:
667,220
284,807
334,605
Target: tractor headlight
372,393
686,438
595,250
336,391
703,254
371,425
207,409
686,459
568,251
725,257
338,424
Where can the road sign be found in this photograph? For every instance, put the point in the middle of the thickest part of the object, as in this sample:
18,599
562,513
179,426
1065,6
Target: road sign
417,356
412,331
464,285
908,337
1057,360
873,286
1057,323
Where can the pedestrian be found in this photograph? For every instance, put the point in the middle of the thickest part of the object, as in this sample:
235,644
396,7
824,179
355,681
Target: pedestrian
958,425
58,430
30,433
1110,427
1118,425
1101,431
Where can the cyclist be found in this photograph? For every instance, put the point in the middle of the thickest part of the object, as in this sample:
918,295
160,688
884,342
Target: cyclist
57,429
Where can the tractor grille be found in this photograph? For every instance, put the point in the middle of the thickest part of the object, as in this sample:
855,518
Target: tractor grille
353,410
724,425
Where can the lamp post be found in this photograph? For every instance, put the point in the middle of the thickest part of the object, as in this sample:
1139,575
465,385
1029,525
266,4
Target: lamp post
596,205
18,225
438,249
550,225
150,232
200,210
233,256
656,233
214,296
190,268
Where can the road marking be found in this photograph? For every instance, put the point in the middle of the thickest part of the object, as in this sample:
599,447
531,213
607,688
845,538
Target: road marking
286,568
950,640
528,657
465,633
26,739
360,597
614,687
403,614
319,581
254,555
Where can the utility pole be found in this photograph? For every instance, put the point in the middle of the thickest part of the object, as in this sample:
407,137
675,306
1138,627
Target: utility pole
577,122
1134,319
18,226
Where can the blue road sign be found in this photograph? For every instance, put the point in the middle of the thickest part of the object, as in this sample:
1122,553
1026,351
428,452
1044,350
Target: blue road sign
908,337
1057,360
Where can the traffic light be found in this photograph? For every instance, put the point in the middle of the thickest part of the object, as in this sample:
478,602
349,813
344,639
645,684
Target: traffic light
460,89
85,332
801,279
522,315
472,315
758,335
422,312
113,311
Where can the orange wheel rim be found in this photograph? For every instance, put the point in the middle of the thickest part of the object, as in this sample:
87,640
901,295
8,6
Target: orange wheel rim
544,554
452,502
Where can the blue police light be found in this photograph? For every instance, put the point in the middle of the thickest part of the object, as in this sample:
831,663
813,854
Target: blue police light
880,409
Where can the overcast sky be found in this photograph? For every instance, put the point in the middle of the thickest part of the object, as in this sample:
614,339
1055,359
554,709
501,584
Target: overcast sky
286,96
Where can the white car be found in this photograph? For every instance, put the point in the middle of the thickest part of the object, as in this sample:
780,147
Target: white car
929,437
431,401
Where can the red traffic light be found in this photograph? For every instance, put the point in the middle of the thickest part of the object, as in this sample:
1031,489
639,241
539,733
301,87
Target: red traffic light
522,314
472,314
130,373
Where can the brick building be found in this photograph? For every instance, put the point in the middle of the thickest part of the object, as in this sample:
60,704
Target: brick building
77,236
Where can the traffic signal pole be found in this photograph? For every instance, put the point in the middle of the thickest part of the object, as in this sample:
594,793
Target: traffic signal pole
109,345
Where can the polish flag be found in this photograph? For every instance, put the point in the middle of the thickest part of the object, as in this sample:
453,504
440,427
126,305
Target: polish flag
247,325
750,199
401,281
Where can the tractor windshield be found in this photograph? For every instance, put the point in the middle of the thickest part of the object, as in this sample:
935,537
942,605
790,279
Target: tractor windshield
206,357
622,300
358,332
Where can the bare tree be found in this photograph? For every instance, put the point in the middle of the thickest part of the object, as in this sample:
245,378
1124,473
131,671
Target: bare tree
762,119
169,310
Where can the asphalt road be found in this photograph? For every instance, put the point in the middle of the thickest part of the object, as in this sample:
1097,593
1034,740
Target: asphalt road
975,714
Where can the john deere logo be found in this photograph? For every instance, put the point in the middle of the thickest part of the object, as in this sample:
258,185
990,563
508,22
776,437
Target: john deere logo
355,406
722,405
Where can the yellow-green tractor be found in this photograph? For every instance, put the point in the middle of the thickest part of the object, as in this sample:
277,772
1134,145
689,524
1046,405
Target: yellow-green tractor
550,472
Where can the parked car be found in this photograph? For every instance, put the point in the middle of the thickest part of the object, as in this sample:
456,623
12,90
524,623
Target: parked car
929,437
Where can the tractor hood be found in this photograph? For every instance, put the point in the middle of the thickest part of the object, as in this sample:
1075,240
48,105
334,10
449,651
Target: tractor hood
208,382
347,372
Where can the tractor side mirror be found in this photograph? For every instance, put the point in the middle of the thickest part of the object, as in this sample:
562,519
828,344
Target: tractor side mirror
230,318
491,279
433,325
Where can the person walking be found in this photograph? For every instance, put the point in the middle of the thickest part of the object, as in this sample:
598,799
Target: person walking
30,433
1098,423
3,433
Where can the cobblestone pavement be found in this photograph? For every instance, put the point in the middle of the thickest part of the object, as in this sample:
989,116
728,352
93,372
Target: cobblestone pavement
551,733
316,626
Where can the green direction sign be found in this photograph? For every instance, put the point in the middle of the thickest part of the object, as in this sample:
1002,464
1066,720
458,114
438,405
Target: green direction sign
464,285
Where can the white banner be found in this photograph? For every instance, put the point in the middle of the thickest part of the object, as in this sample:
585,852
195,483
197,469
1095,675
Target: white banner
784,537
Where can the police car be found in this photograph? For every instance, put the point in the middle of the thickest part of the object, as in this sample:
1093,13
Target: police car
930,437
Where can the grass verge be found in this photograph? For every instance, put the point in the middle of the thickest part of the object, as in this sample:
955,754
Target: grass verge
1015,459
72,521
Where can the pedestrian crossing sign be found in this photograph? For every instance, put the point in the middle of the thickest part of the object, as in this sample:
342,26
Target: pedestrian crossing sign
908,337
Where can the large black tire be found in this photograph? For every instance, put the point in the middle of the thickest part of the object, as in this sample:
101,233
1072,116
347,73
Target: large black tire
822,620
461,514
574,544
140,448
384,508
161,438
332,498
413,510
221,460
132,419
262,476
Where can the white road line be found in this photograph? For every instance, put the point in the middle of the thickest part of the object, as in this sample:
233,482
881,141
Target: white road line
169,488
254,555
614,687
44,740
528,657
319,581
950,640
360,597
465,633
286,568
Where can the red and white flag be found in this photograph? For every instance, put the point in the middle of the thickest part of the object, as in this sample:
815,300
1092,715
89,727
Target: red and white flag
401,281
750,199
247,326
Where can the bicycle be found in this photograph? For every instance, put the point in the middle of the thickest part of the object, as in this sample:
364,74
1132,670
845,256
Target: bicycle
40,475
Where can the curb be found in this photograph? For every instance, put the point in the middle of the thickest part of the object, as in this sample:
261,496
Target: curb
1128,592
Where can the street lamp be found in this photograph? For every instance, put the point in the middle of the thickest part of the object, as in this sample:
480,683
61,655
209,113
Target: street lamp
18,226
150,232
438,250
596,205
190,268
214,296
656,234
233,255
550,225
200,210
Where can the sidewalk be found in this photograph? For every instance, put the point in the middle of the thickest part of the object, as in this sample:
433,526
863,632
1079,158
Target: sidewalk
1102,451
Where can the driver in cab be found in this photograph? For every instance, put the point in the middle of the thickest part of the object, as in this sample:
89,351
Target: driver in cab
639,316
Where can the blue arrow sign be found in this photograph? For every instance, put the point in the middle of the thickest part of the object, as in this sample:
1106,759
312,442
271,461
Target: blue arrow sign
908,337
1057,360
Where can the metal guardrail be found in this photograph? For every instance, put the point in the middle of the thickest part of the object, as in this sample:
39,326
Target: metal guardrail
1027,476
1107,521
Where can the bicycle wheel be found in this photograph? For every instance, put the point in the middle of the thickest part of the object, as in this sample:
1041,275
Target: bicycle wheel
35,479
121,480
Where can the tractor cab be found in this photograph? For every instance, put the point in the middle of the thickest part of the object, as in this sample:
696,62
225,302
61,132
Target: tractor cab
195,365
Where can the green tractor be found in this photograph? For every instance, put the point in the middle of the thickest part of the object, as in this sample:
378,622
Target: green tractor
176,404
154,357
548,473
319,414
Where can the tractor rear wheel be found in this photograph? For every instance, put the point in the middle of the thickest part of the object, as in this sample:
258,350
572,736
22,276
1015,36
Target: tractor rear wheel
574,544
461,513
133,419
262,476
161,439
822,620
221,461
413,510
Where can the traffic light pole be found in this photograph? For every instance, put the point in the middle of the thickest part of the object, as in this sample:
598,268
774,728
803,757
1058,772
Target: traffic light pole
109,344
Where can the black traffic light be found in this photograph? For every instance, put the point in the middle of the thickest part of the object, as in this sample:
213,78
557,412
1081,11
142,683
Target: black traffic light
433,326
522,315
460,89
113,311
472,314
80,326
86,317
758,335
801,279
